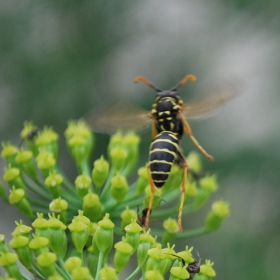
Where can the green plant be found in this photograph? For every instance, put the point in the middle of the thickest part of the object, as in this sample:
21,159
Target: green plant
71,246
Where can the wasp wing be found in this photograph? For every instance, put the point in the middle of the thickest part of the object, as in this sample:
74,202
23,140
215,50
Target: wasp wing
116,115
207,107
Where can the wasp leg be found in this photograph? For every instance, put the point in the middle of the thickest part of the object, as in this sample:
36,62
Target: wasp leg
154,130
153,189
183,189
188,131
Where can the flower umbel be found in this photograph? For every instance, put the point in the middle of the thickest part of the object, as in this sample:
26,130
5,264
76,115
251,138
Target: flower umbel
102,188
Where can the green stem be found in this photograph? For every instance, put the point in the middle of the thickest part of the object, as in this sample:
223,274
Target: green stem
83,168
99,265
62,272
38,191
25,277
61,263
106,188
134,273
66,182
38,202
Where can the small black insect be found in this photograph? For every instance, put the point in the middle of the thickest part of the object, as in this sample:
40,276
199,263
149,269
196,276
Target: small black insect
31,135
192,268
142,219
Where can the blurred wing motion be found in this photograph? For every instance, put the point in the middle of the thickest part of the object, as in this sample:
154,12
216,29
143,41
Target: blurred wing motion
207,107
118,115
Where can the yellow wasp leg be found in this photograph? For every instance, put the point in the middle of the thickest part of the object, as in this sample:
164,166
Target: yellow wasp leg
188,131
153,189
183,188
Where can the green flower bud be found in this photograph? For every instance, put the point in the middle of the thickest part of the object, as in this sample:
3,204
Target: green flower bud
41,226
146,241
82,218
92,206
122,254
81,273
168,260
79,128
207,269
191,191
100,171
60,206
9,153
127,215
133,234
108,273
3,245
3,193
82,183
171,229
215,217
115,141
157,197
153,275
79,147
92,261
8,261
104,234
30,133
20,245
119,187
39,245
186,255
46,261
17,198
25,161
209,183
47,140
45,162
142,180
179,273
57,236
118,156
155,257
201,197
53,181
73,262
12,175
79,234
131,143
21,229
194,161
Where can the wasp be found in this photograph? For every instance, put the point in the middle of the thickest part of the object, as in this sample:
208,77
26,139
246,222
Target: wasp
168,128
169,124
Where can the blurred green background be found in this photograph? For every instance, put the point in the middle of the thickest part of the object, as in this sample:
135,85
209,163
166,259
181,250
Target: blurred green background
59,59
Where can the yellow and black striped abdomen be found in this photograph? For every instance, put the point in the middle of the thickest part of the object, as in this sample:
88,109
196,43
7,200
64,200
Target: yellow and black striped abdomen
163,152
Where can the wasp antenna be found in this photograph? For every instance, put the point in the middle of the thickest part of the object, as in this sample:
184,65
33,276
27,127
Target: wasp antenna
183,81
148,83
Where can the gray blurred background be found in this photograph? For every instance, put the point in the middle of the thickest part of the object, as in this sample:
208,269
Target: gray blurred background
59,59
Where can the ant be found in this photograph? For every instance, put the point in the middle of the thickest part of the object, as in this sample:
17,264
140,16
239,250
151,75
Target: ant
141,220
193,267
31,135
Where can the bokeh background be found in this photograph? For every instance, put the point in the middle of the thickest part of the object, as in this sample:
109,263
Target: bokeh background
59,59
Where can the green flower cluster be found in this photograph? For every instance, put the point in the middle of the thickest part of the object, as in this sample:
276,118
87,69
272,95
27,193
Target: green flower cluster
47,253
103,188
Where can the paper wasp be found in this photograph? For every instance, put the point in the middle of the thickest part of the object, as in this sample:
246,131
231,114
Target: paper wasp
168,118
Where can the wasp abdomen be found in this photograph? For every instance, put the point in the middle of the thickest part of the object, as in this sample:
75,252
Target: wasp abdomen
163,152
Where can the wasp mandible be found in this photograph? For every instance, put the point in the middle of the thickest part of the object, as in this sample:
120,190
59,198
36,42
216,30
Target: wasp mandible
169,125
